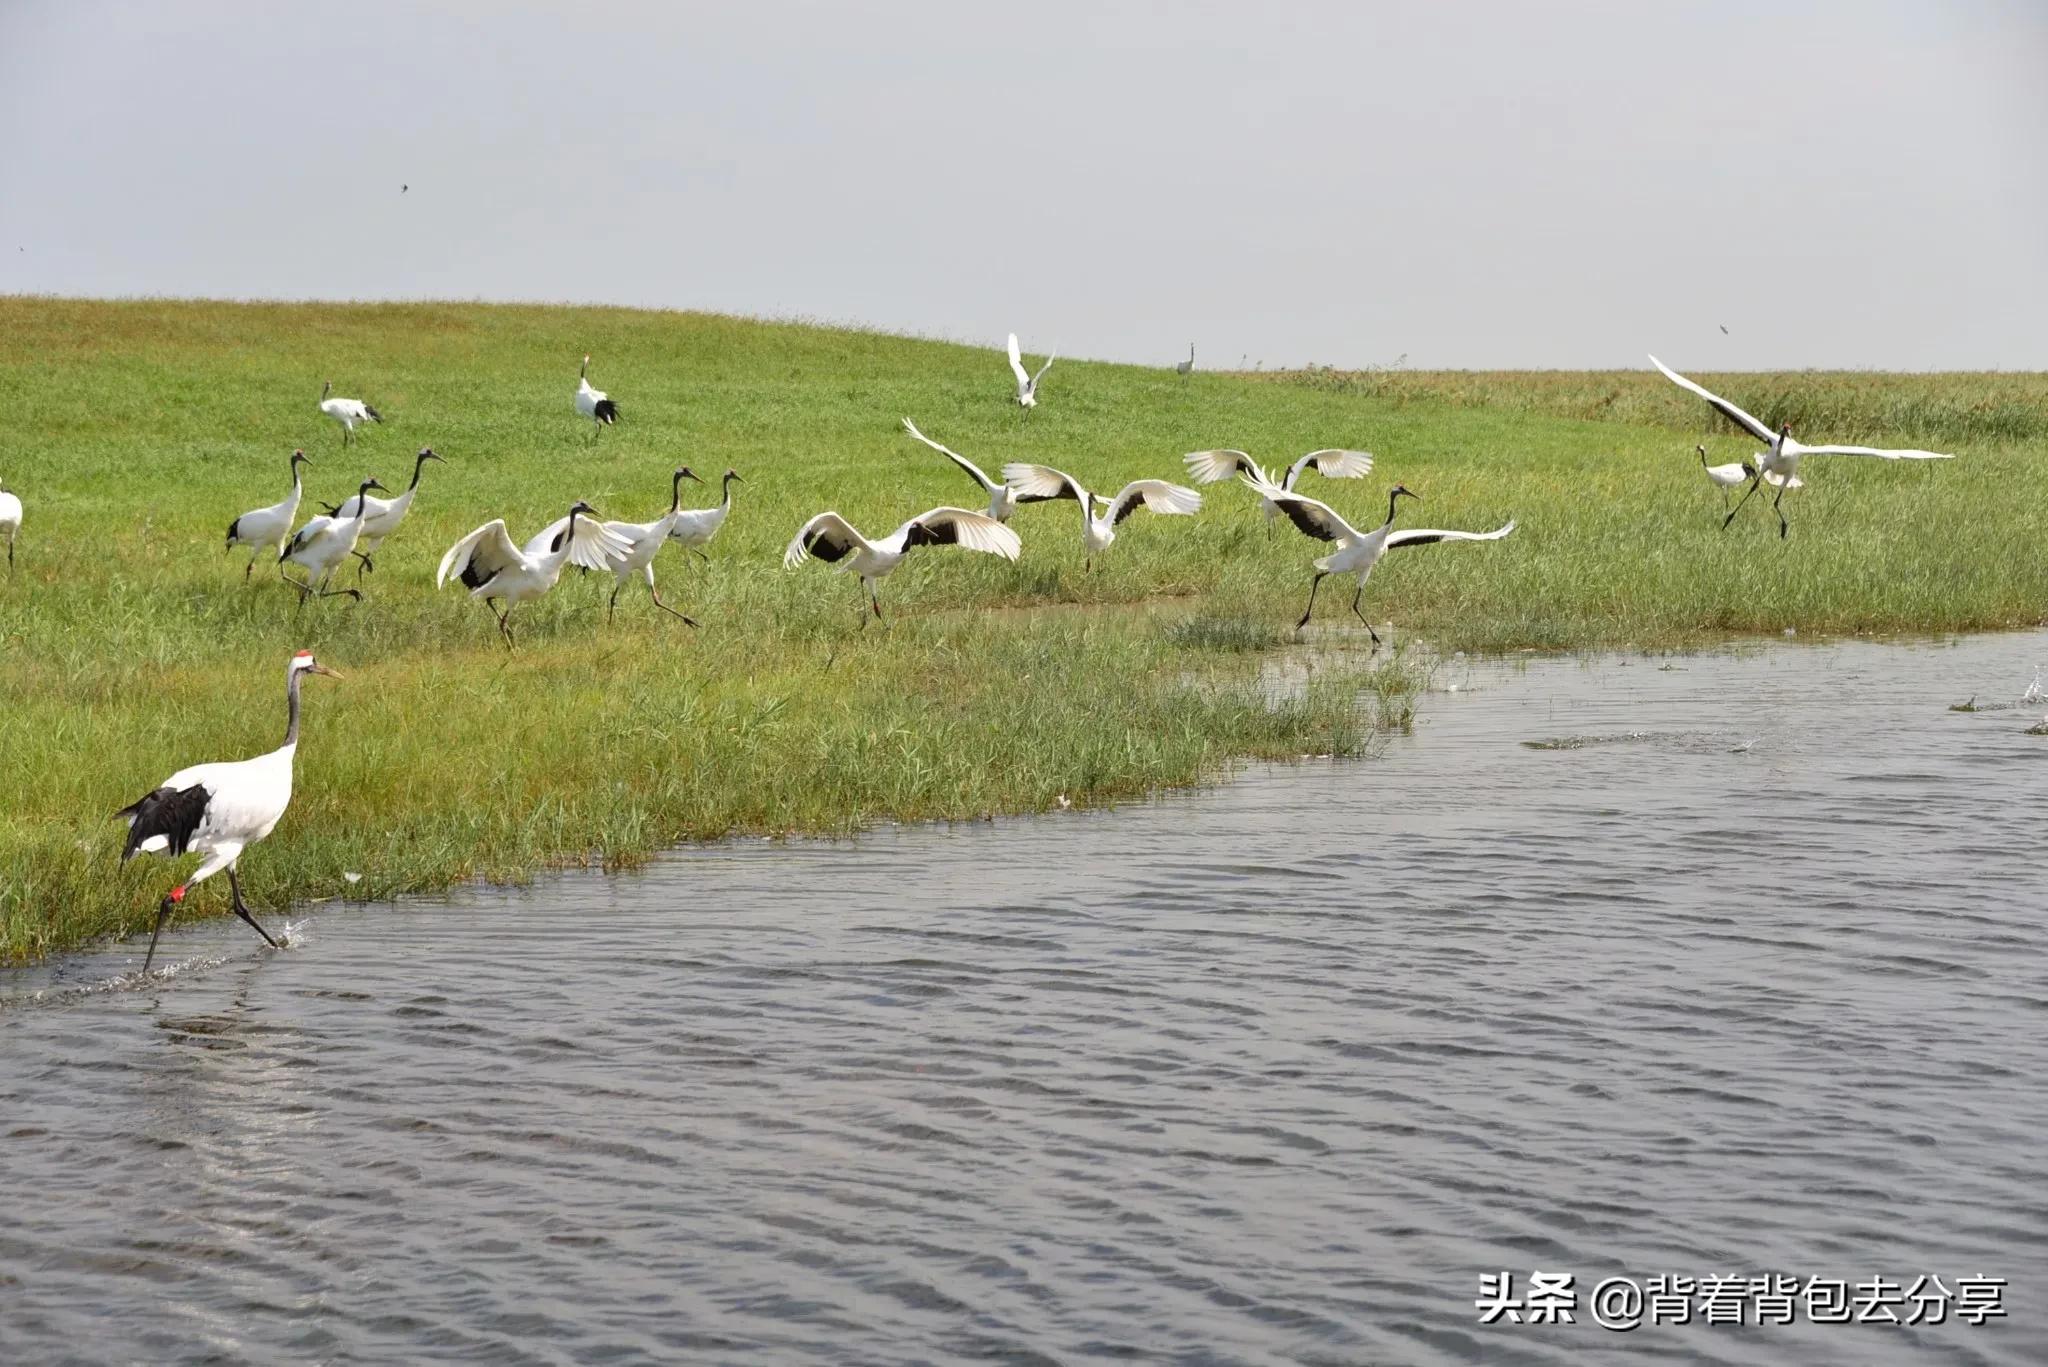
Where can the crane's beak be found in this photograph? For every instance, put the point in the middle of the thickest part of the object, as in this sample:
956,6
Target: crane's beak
317,668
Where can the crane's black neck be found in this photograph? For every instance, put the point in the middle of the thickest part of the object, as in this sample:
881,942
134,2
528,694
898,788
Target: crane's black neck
291,693
675,494
419,463
725,494
295,473
1392,499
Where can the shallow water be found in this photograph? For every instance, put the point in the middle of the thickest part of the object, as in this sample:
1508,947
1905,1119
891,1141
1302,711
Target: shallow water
1743,975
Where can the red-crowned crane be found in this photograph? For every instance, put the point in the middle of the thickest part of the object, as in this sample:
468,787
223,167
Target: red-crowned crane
1357,551
347,412
219,810
1038,483
832,539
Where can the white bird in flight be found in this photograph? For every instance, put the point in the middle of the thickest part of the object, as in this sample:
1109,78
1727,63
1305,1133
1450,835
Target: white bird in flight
495,570
1027,383
219,810
347,412
1357,552
1002,500
1779,462
1207,467
832,539
1039,483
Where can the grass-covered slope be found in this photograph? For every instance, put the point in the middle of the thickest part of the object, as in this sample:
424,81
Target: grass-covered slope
130,645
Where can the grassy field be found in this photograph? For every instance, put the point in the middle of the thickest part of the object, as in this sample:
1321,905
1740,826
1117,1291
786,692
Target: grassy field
130,646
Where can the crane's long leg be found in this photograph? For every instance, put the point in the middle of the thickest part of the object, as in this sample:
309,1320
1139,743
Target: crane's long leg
242,908
1783,526
365,563
504,620
874,603
699,553
306,590
1754,485
163,914
1361,616
1313,585
655,594
613,606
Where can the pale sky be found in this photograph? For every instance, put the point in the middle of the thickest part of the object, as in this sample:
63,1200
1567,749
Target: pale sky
1854,184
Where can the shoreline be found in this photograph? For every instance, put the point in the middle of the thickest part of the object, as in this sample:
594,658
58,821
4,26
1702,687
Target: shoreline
993,687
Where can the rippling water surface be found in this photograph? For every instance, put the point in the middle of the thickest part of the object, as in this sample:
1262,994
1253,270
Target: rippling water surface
1741,973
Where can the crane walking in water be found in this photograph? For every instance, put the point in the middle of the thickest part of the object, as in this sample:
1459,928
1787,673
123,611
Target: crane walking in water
219,810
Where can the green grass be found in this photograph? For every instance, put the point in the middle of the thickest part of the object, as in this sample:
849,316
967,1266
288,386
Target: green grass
130,646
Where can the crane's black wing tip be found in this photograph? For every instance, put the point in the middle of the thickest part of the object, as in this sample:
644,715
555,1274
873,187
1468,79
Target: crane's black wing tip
173,813
826,547
1307,521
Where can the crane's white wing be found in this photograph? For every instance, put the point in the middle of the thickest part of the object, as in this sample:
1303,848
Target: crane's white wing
1332,464
1037,483
1726,408
543,541
960,527
592,544
1312,517
1207,467
828,536
974,471
1155,494
1424,536
1879,452
1017,362
1771,477
1042,369
631,538
480,555
315,528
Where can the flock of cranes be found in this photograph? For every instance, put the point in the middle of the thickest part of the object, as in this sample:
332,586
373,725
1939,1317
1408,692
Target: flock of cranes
219,810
